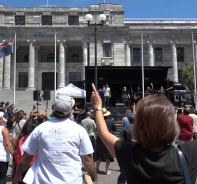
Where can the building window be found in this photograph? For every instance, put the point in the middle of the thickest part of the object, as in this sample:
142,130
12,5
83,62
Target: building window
107,51
23,80
26,58
19,20
180,54
136,55
158,54
46,20
74,76
50,57
75,58
73,20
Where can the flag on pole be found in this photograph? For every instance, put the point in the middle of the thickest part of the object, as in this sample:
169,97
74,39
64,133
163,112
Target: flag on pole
6,48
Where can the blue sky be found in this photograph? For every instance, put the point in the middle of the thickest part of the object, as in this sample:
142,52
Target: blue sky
133,8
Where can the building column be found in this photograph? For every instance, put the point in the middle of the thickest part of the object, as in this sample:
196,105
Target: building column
31,73
127,54
85,59
1,73
38,76
7,72
150,53
174,61
61,65
195,51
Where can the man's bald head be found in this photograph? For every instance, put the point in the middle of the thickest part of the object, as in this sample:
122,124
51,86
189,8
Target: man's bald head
88,114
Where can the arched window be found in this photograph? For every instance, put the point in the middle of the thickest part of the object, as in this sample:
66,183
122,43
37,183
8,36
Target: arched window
75,58
50,57
26,58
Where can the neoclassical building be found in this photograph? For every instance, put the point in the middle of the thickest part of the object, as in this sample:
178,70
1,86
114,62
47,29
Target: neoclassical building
166,42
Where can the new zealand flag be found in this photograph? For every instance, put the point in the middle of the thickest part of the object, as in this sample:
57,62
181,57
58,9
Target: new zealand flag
6,48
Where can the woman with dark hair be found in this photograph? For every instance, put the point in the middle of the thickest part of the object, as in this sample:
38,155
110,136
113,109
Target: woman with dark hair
102,154
152,158
28,127
41,119
20,119
10,124
7,104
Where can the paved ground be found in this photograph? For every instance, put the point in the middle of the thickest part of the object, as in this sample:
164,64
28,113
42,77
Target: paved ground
103,178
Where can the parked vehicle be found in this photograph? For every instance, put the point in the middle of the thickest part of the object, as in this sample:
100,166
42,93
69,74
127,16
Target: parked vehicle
180,95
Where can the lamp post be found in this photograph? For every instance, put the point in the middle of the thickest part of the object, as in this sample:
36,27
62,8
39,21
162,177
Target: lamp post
89,18
194,64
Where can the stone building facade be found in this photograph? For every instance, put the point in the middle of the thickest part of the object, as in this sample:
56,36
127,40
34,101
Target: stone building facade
119,43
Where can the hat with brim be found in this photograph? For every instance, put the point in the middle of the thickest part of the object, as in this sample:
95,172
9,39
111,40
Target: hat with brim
106,112
62,107
35,114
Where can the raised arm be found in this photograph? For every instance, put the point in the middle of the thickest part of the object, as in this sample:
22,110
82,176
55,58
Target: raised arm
169,88
23,166
107,138
151,86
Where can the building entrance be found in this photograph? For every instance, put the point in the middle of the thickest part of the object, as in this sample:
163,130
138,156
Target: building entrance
48,80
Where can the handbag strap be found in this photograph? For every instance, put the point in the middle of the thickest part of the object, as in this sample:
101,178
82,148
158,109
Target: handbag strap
184,166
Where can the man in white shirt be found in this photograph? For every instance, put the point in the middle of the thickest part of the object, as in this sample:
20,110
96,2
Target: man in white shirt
107,95
61,146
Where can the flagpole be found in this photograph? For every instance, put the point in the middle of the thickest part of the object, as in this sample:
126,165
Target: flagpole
194,64
142,45
15,68
55,69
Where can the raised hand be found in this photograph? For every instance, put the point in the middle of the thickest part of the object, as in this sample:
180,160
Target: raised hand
95,98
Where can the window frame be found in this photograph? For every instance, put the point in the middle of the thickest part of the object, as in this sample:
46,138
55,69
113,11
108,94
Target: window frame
158,54
47,20
19,19
50,57
22,79
136,54
73,20
74,76
107,49
180,54
75,58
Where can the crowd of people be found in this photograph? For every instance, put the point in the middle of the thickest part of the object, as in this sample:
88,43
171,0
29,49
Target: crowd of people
53,148
15,127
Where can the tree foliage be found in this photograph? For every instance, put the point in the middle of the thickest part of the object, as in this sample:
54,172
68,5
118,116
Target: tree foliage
187,76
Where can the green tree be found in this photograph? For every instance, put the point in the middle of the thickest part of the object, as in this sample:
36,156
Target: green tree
187,76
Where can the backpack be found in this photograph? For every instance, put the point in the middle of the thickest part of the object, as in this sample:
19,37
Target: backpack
127,133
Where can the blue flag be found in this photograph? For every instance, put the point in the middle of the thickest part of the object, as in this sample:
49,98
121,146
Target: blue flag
6,48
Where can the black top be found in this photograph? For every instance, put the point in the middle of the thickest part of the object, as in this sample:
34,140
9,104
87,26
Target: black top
125,94
142,166
149,92
101,92
111,125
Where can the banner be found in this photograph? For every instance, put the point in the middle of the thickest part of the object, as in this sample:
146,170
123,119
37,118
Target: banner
6,48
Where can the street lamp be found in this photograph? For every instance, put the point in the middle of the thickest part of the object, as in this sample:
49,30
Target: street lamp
101,18
194,63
